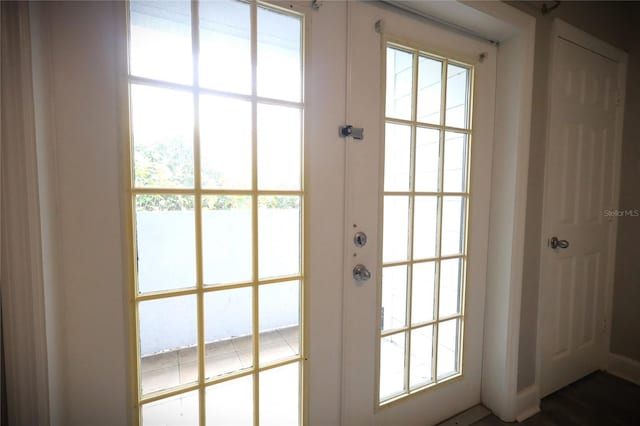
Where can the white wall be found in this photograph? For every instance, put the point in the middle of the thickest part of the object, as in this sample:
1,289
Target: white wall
166,259
92,367
47,185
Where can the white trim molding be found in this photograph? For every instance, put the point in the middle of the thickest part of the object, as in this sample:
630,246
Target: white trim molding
528,403
23,314
510,169
625,368
468,417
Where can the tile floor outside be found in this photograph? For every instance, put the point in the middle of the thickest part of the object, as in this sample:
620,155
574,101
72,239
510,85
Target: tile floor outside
231,400
174,368
228,403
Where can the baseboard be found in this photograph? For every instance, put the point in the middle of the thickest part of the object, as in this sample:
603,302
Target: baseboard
625,368
528,401
467,417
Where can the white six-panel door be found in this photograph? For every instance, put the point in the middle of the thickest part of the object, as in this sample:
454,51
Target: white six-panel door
580,197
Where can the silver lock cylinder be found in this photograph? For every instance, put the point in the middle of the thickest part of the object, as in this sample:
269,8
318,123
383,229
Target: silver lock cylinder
361,273
360,239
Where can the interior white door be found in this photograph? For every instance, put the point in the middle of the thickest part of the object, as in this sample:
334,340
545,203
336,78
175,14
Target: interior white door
396,394
580,191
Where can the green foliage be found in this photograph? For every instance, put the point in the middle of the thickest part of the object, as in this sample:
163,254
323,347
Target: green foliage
164,165
279,202
165,202
225,202
170,165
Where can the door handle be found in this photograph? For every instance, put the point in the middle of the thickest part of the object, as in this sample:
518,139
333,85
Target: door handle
555,243
361,273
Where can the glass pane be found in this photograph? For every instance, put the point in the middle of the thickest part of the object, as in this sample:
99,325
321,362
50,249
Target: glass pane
279,396
225,143
397,157
399,84
279,147
455,162
421,356
279,236
226,239
429,90
228,331
450,285
166,242
448,348
425,223
279,55
395,231
427,159
162,130
392,365
457,96
279,321
160,45
423,289
176,410
166,327
225,46
453,220
230,403
394,297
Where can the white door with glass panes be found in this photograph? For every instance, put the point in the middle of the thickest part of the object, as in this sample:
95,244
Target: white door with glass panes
418,186
230,211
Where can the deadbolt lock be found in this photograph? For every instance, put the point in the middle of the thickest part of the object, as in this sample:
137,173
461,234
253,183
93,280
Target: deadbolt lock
360,239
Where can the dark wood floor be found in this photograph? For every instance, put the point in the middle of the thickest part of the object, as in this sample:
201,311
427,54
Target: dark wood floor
599,399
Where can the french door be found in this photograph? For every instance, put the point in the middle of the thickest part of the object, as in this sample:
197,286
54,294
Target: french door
245,202
217,207
418,187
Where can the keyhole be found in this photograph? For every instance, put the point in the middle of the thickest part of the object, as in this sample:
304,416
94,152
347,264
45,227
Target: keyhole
360,239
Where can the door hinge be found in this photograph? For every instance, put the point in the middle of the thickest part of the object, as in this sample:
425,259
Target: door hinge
618,98
604,325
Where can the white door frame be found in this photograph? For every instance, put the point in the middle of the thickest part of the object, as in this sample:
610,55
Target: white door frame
565,31
508,210
508,207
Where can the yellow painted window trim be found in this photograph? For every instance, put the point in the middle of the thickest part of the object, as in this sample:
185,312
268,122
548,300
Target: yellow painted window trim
413,123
